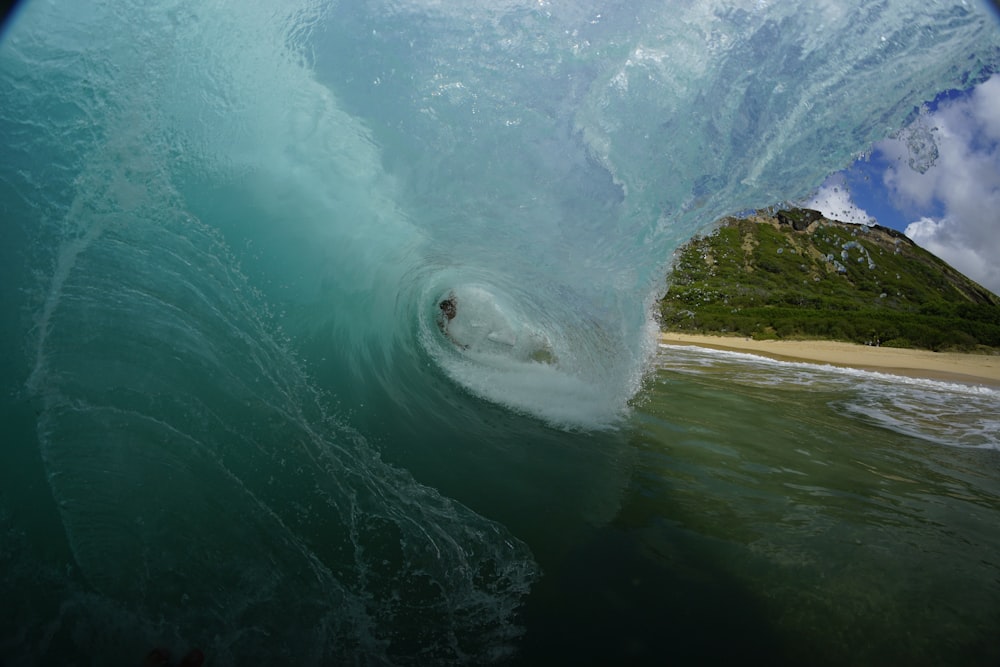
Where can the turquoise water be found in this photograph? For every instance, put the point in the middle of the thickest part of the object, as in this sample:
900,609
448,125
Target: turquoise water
231,417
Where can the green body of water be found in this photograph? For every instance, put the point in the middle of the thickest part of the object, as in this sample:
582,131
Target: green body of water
768,519
747,510
234,416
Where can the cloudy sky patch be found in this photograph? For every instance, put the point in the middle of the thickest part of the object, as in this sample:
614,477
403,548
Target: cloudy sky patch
938,181
834,201
963,182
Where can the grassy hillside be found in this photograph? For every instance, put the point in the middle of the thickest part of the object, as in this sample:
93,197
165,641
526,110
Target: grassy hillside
795,274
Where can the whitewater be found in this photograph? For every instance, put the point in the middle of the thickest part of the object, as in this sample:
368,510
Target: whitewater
235,415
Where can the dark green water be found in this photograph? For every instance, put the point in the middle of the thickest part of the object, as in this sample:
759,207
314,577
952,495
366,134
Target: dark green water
747,520
761,524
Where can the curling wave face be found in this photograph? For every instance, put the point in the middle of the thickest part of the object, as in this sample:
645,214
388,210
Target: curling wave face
235,228
198,473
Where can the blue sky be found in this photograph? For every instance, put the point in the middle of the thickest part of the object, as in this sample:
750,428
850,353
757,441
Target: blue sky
938,181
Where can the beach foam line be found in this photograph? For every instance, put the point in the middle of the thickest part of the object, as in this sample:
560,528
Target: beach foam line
948,366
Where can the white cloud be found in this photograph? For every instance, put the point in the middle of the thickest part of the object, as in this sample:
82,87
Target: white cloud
950,160
985,103
834,201
940,238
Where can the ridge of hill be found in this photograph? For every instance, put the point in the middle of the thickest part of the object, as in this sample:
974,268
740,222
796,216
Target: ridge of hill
795,274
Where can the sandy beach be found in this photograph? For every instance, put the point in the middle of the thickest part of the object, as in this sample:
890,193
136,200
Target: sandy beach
951,366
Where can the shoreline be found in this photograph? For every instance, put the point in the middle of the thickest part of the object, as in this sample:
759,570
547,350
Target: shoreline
980,369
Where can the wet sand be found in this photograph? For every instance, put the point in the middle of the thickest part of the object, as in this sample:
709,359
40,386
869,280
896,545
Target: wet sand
951,366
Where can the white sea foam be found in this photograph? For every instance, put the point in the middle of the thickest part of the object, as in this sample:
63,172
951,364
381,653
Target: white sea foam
948,413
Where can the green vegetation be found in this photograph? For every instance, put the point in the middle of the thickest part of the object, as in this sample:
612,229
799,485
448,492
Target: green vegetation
795,274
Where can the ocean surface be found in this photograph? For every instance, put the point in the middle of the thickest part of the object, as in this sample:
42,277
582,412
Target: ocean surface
234,416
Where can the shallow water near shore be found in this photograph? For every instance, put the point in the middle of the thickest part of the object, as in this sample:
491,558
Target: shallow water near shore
232,420
867,530
767,515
